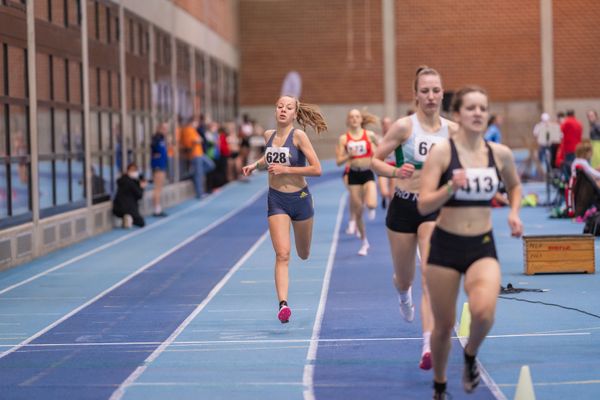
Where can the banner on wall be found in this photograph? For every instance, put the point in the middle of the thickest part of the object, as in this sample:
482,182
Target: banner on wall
292,85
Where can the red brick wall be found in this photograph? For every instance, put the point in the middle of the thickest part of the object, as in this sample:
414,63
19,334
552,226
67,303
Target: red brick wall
576,49
496,46
338,62
218,15
468,43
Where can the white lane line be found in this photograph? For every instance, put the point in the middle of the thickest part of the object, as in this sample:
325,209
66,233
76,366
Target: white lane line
196,384
590,382
118,394
133,275
109,244
264,341
311,356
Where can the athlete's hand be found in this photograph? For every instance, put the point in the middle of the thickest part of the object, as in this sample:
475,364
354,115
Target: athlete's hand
247,170
406,171
515,224
459,178
277,169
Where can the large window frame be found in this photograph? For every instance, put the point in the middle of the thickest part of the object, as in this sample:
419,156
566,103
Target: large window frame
60,121
139,96
15,132
105,133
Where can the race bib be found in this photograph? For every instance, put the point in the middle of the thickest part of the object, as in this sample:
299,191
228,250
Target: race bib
277,155
357,148
482,184
423,144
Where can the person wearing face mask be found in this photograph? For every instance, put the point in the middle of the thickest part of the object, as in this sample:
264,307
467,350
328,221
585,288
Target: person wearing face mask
460,178
411,138
130,189
289,157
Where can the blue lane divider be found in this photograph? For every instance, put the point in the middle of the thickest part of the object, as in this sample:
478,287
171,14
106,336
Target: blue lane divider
145,309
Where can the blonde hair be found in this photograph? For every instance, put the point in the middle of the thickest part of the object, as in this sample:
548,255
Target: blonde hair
424,70
309,114
584,149
368,119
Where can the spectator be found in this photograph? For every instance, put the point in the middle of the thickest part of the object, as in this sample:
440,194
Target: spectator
246,130
130,189
191,147
234,162
592,116
223,163
583,155
191,150
572,131
548,135
493,133
159,164
211,149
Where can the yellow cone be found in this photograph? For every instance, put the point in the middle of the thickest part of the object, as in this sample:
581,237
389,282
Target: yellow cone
465,321
525,386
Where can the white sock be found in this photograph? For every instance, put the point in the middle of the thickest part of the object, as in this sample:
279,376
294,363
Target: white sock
405,295
426,342
371,214
365,242
157,209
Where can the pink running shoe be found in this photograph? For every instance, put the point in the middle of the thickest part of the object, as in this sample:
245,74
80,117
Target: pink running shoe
425,363
284,314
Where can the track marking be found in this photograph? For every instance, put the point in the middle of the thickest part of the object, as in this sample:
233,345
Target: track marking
311,356
118,394
134,274
252,341
590,382
110,244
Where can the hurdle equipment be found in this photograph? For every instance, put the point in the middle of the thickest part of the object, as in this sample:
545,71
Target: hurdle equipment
558,254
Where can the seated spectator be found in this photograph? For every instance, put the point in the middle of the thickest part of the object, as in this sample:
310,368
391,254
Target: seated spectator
130,189
583,155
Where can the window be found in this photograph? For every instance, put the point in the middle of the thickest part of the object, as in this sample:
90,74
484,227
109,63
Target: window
60,147
15,160
105,121
138,123
200,93
216,97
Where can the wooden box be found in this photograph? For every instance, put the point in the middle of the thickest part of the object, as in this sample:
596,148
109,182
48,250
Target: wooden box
559,254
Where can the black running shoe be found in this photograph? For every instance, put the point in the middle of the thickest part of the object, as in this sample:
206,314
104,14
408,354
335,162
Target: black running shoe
470,375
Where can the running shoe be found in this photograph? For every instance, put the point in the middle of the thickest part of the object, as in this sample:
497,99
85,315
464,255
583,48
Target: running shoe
364,249
425,363
470,376
284,314
351,229
407,309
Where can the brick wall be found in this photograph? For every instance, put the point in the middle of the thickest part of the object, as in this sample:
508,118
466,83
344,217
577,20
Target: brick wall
490,45
218,15
577,49
335,45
